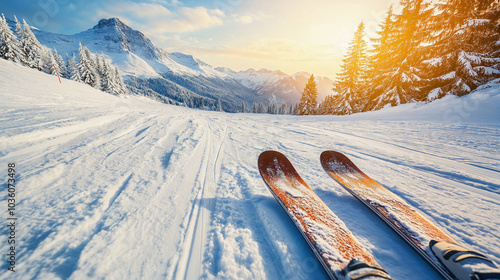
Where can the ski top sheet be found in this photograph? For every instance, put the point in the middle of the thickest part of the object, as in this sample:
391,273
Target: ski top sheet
435,246
330,240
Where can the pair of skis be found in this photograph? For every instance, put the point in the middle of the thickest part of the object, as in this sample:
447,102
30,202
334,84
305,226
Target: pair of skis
338,251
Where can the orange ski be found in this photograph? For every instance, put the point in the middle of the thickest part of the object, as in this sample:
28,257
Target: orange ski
338,251
427,239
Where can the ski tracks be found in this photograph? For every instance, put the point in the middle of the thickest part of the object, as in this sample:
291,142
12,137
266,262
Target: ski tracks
194,230
250,237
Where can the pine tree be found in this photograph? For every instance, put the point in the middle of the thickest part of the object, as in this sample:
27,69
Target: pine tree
283,109
60,64
48,63
219,106
10,48
32,48
463,52
107,82
491,12
86,68
260,108
243,107
350,81
382,52
121,87
73,69
400,81
20,36
329,106
67,73
308,101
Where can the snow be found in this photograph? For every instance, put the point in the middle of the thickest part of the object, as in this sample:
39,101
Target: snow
121,187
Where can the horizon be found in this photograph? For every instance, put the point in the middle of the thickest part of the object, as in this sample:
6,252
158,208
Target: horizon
277,36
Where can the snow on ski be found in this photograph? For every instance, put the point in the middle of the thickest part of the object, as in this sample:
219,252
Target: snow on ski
450,259
338,251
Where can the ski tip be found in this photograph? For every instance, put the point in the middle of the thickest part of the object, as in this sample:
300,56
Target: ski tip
271,163
337,160
267,157
330,155
274,160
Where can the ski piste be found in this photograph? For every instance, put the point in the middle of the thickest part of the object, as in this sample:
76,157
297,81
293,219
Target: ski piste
338,251
450,259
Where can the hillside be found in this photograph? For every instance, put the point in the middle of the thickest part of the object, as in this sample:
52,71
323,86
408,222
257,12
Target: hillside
122,187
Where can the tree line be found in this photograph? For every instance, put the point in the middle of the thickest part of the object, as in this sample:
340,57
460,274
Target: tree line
22,46
421,54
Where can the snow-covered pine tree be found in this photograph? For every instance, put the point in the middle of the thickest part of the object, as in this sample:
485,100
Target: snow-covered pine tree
20,36
98,62
492,13
380,61
283,109
48,62
73,69
243,107
10,48
401,82
67,74
86,68
462,52
32,48
121,87
329,105
103,70
272,108
109,77
351,80
308,101
219,106
261,108
60,64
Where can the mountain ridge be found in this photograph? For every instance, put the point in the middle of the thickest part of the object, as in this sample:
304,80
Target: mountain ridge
180,78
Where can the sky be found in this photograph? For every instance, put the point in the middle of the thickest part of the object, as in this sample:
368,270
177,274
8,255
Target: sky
287,35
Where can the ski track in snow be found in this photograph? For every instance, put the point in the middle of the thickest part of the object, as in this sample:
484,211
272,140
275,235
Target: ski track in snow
126,188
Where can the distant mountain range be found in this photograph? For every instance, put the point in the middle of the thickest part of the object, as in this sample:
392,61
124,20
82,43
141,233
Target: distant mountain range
179,78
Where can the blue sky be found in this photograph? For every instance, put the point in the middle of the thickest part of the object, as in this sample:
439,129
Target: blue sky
289,35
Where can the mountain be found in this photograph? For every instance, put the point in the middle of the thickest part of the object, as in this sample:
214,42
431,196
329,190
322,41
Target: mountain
278,86
179,78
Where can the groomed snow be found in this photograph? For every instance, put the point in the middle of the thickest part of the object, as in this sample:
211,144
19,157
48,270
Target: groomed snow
126,188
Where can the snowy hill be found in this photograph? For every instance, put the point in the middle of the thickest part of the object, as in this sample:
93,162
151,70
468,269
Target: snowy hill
121,187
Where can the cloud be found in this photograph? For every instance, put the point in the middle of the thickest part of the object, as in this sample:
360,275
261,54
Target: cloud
156,18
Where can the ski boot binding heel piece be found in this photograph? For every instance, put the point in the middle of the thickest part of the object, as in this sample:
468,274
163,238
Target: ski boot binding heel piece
465,264
357,270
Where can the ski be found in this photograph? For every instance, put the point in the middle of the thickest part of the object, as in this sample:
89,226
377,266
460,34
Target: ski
338,251
444,254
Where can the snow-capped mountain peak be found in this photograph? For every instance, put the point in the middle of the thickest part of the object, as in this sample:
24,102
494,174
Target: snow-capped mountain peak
112,35
181,77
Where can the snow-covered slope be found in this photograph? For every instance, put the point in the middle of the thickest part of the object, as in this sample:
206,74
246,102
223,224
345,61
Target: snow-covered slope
278,86
125,188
